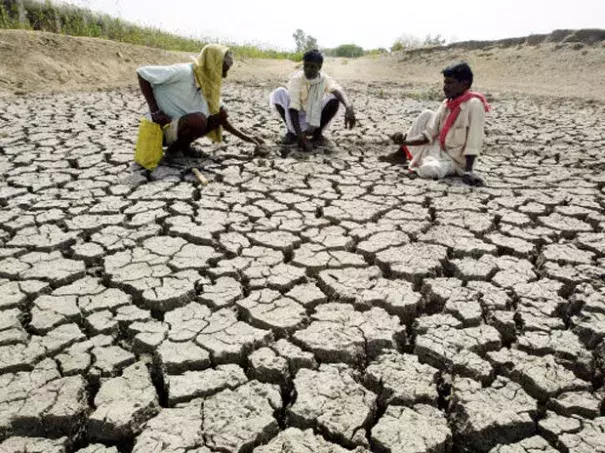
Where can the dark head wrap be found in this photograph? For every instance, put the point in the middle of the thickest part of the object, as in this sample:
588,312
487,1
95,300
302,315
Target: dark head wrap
313,56
460,71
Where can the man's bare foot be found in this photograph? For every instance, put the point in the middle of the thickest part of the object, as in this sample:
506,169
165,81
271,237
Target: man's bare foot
396,158
319,140
289,139
189,151
398,138
473,179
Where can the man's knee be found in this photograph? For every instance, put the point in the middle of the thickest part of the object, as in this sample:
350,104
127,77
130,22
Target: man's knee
281,91
280,97
427,115
193,125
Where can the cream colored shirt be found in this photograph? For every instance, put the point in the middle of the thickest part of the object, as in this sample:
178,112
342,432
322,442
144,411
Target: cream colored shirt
298,87
465,138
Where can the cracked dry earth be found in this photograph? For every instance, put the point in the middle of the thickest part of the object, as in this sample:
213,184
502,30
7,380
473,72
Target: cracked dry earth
321,303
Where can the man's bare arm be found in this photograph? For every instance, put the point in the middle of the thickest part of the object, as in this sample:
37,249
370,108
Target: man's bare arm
470,161
342,98
416,141
302,140
402,139
224,119
156,114
350,119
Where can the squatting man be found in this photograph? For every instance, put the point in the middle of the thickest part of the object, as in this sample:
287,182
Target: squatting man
309,103
186,98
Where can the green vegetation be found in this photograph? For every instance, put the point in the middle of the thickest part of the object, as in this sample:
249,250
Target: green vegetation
9,16
345,50
405,42
436,40
306,42
433,93
74,21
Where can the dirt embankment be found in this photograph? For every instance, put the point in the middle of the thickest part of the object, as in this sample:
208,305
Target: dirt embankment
564,63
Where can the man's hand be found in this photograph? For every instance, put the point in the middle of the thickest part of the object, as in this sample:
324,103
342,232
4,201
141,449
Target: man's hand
160,118
472,179
223,115
398,138
350,119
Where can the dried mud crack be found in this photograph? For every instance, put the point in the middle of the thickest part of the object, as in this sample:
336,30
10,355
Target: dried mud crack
321,302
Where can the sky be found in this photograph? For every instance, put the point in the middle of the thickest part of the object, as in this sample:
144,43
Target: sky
369,24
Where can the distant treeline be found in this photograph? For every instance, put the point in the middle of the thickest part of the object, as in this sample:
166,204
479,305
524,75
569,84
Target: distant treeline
352,51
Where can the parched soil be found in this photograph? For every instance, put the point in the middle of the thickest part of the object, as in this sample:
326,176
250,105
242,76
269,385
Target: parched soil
46,62
321,302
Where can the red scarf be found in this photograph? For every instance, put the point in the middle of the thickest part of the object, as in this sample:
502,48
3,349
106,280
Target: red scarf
454,107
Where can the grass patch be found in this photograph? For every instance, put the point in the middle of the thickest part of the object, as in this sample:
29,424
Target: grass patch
434,93
75,21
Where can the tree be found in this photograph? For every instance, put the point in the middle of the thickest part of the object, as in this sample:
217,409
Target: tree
303,41
404,42
434,41
299,39
348,50
311,43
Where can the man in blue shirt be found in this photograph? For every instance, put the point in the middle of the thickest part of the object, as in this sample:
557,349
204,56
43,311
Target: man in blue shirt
185,98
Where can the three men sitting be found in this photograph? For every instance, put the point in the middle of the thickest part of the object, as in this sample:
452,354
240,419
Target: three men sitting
185,98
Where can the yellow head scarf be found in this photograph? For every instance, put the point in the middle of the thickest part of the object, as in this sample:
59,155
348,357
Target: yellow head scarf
208,71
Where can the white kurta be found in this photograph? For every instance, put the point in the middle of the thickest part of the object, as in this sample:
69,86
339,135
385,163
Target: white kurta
465,138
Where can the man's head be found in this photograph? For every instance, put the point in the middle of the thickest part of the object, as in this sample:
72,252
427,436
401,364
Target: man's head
214,62
457,79
312,63
227,62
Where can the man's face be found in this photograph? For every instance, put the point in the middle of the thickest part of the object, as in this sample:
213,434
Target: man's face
227,63
311,69
453,88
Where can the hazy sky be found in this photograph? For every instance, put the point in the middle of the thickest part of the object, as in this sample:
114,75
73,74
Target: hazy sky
370,24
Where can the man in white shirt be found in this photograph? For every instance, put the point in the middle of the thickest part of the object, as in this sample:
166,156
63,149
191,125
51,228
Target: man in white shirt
448,141
185,99
310,103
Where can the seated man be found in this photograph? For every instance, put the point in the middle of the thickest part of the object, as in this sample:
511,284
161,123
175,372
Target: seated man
187,98
446,142
309,103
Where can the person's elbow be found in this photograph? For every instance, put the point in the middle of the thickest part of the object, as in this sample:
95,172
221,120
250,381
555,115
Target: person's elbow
142,80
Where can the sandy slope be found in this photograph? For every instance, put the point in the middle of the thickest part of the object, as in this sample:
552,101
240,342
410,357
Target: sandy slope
38,61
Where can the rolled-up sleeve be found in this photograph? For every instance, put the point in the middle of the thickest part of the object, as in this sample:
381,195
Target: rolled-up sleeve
432,130
476,129
294,87
157,75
